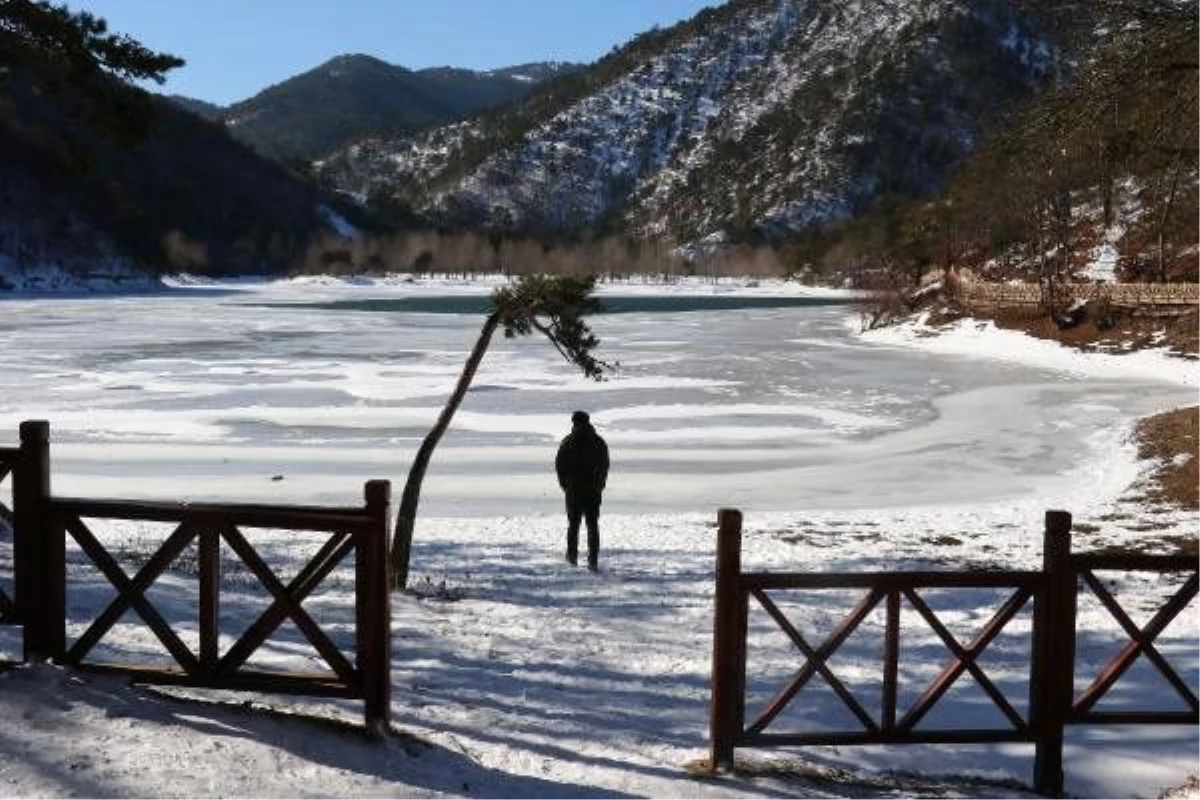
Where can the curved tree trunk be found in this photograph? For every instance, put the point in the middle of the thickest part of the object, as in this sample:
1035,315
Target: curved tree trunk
411,497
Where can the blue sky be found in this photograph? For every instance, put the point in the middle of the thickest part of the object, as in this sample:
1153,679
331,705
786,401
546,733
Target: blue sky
235,48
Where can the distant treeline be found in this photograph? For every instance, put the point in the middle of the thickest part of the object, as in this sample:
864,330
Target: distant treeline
467,253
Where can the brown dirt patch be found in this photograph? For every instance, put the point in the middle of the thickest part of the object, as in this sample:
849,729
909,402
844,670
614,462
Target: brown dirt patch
1188,788
1115,332
1172,438
1104,327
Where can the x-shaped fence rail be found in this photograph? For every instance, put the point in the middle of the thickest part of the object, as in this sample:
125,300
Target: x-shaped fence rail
41,524
1052,704
892,589
1141,639
361,531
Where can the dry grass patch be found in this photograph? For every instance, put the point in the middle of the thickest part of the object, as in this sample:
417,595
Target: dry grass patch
1171,439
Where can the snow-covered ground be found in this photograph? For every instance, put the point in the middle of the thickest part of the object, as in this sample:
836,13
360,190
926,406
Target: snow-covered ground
514,674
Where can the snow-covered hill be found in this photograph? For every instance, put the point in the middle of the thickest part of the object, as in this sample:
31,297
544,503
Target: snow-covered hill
768,114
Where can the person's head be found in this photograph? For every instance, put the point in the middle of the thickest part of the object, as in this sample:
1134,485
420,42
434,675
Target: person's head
580,419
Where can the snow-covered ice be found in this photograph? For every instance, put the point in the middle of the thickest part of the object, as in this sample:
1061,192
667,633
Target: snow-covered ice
513,674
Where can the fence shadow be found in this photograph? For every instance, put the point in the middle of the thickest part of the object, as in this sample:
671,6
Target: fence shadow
55,698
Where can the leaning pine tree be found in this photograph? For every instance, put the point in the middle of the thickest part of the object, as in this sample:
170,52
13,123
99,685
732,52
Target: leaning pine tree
551,306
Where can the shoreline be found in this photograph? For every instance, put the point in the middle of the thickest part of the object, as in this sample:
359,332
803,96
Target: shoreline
1166,440
62,285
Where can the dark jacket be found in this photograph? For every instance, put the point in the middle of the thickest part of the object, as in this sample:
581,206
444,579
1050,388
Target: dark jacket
582,461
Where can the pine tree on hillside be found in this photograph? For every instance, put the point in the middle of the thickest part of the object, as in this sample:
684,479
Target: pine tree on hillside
75,39
51,49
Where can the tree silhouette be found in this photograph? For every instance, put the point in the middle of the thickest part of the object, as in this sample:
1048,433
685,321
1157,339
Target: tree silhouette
51,50
550,305
79,40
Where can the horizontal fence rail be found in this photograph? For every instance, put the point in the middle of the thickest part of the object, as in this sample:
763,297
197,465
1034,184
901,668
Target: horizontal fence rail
45,524
1050,593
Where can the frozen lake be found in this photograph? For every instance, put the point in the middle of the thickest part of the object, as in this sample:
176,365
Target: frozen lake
300,393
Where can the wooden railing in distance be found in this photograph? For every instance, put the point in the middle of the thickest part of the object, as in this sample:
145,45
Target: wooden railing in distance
363,531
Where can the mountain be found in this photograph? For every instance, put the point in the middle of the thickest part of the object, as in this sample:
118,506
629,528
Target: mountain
757,118
97,172
352,96
201,108
535,72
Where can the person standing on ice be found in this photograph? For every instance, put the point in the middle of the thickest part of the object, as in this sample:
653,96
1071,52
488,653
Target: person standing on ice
582,467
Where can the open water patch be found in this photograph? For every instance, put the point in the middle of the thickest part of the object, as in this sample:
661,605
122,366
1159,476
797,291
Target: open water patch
633,304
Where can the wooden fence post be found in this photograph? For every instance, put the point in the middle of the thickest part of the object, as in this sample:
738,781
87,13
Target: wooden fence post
1053,671
31,495
729,645
373,651
209,605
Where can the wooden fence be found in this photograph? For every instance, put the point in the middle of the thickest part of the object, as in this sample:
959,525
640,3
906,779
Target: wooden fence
1052,703
9,458
42,525
1122,295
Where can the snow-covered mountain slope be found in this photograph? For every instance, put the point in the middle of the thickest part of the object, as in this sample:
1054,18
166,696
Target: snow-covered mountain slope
767,114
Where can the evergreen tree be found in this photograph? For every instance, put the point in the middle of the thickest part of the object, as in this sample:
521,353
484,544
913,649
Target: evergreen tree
52,50
78,40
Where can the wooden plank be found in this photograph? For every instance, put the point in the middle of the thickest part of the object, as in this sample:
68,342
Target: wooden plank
247,516
1141,642
209,610
30,495
816,661
1132,562
891,662
315,684
725,693
287,604
965,736
965,660
131,593
887,581
1135,718
309,577
372,602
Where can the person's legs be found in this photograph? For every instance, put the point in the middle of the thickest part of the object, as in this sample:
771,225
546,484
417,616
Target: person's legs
591,513
574,515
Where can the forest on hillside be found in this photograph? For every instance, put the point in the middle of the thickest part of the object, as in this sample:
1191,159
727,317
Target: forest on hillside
94,169
92,166
1113,151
